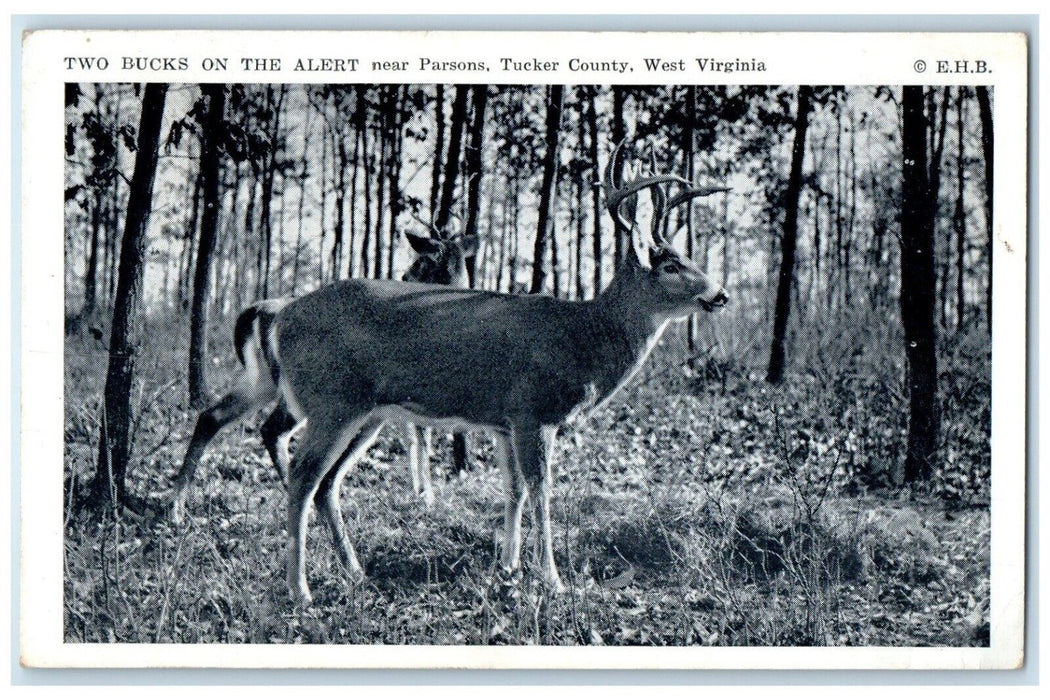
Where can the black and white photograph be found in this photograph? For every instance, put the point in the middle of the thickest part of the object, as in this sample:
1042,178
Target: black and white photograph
643,360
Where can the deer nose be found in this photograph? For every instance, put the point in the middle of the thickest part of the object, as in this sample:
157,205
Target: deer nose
721,299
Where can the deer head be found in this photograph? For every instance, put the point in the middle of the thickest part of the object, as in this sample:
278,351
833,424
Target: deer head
441,256
674,285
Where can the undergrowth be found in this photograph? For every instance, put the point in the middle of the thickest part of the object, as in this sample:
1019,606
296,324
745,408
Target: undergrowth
701,507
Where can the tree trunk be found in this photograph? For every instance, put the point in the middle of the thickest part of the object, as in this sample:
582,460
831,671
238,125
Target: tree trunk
269,174
460,450
115,438
211,163
960,213
185,279
439,147
918,287
339,225
304,175
366,162
789,239
580,207
984,105
356,161
91,275
596,197
383,152
455,145
689,138
618,135
394,176
548,184
472,166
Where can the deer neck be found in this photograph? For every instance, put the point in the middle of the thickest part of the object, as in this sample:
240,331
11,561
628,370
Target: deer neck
629,327
627,302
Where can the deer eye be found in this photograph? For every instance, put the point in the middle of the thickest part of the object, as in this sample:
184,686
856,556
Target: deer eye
670,268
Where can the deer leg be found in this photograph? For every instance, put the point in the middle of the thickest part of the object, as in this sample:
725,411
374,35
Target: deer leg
322,446
417,442
514,488
228,409
423,439
277,433
409,435
327,496
534,449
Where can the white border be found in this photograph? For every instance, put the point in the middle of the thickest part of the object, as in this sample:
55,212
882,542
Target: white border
790,58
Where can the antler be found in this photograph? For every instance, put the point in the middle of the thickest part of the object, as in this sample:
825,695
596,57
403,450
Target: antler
619,193
430,226
662,207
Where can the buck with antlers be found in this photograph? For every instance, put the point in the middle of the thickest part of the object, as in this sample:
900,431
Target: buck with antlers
359,353
440,259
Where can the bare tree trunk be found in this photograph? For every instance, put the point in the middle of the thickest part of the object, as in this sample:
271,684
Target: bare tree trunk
505,214
472,170
918,288
618,134
211,163
269,175
455,145
115,439
302,178
356,162
439,147
394,176
984,105
91,274
580,208
185,277
460,450
339,225
960,213
367,228
689,138
789,239
382,154
544,225
596,200
324,205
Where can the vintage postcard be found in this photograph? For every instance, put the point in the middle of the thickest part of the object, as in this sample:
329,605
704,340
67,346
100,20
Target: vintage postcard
523,350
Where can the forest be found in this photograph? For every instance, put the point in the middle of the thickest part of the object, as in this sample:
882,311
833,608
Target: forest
808,466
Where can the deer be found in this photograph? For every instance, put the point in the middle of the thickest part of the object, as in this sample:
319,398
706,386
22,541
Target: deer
356,354
440,259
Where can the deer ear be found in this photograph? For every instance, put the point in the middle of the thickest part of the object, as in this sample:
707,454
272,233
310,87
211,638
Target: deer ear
424,245
469,245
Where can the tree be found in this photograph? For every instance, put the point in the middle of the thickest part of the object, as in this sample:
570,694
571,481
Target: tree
545,221
439,146
460,450
918,291
472,169
596,203
959,215
984,105
212,127
618,134
789,239
455,144
115,438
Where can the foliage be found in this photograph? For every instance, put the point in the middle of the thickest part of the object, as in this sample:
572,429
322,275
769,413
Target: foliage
700,508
